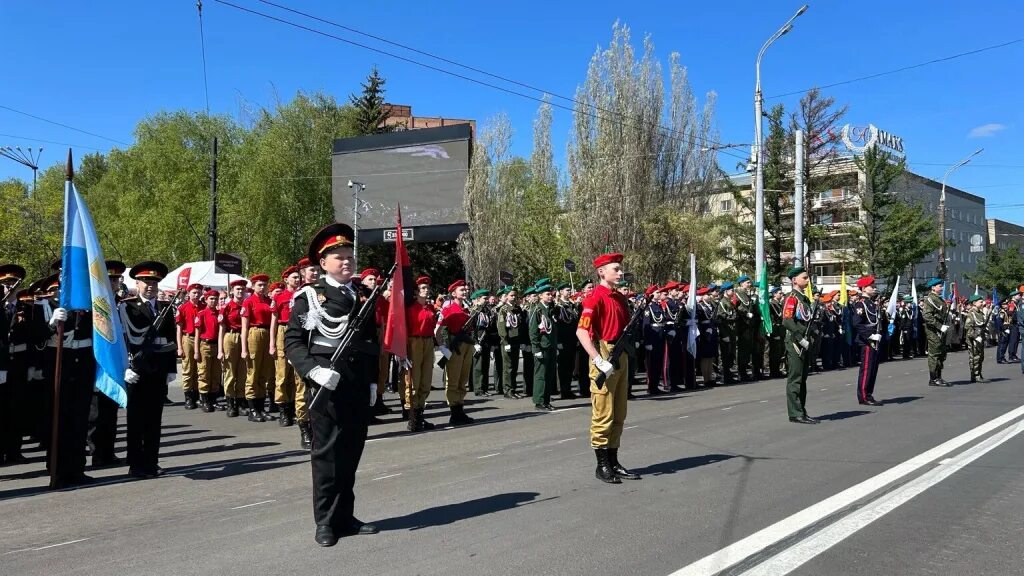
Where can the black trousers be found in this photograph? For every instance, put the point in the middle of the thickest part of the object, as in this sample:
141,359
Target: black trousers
102,426
676,362
867,374
78,376
13,397
338,437
566,366
143,416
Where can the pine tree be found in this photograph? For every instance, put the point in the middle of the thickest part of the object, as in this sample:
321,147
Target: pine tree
370,110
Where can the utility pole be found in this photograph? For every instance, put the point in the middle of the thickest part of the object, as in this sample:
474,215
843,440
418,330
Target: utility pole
28,157
798,202
941,269
211,230
357,187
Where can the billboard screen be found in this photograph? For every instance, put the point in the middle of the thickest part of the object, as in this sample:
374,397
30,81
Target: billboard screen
425,170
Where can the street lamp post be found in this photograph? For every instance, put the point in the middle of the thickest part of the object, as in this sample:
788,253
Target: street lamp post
941,270
756,152
357,188
28,157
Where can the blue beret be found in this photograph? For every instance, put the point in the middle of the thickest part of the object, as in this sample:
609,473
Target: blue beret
774,290
742,279
934,282
712,287
726,285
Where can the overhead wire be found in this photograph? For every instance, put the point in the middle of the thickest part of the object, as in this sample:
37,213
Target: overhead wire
62,125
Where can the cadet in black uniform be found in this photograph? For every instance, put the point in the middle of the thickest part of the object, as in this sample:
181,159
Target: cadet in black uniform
867,331
103,414
150,333
13,369
320,314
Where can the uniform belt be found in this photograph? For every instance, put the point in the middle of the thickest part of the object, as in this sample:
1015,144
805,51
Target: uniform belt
325,341
234,330
71,344
260,326
15,348
160,341
209,340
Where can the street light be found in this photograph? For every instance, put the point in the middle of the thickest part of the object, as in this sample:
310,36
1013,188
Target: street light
28,157
942,213
756,151
357,187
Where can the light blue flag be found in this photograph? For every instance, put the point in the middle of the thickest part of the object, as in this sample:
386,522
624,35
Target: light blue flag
891,308
84,285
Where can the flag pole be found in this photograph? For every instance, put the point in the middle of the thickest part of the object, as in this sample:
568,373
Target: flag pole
55,426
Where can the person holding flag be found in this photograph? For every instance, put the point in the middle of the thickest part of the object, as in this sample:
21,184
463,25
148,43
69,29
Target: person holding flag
935,313
866,330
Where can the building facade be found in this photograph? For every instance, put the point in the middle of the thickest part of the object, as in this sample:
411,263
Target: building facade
1003,235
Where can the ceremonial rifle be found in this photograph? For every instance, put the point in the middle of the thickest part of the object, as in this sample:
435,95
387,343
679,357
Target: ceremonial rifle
623,341
812,327
345,342
442,362
146,348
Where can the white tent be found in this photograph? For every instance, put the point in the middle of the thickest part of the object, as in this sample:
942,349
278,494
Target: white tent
196,272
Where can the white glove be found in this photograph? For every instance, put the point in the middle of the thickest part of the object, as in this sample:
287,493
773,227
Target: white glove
131,376
875,337
978,339
750,314
725,339
636,345
841,331
478,348
373,394
59,315
35,374
559,346
1007,331
671,333
604,366
539,355
943,329
508,347
3,376
446,352
804,343
324,377
648,347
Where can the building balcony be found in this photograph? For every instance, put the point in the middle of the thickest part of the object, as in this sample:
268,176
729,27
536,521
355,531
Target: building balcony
827,256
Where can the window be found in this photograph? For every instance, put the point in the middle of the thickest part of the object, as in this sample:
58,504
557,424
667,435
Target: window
725,206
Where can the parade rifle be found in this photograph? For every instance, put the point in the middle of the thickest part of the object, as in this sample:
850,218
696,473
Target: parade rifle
147,348
623,342
345,342
12,289
442,362
812,327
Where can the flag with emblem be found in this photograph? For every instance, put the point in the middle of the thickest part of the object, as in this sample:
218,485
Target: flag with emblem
890,310
85,287
396,335
762,301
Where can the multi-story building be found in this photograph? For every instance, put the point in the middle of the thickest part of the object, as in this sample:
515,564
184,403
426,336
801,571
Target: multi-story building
401,115
1003,235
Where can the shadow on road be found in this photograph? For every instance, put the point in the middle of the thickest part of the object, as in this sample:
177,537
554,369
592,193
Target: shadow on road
901,400
223,448
452,513
181,441
843,415
226,468
673,466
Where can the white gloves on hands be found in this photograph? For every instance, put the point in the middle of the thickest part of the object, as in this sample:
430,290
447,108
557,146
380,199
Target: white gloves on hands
478,348
446,352
672,333
604,366
325,377
648,347
559,346
539,355
943,329
875,337
3,376
131,376
508,347
750,314
725,338
978,339
373,394
804,343
59,315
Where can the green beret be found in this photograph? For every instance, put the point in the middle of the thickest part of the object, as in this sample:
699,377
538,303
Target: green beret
623,283
908,298
795,271
542,289
479,293
529,291
542,282
562,286
975,298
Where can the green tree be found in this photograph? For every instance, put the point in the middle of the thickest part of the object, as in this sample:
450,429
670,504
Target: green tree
1002,269
908,235
369,109
879,199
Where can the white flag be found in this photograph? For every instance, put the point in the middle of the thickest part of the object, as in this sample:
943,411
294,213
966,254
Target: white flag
691,306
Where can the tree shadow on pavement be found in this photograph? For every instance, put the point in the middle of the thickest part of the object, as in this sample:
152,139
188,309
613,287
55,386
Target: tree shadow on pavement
181,441
678,465
901,400
441,421
452,513
226,468
843,415
222,448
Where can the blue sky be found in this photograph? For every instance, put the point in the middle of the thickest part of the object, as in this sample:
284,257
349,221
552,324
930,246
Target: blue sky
102,66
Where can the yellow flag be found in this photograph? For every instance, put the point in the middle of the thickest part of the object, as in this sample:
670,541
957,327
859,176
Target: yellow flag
809,291
844,296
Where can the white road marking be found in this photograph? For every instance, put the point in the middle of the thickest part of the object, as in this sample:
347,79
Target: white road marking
681,417
763,402
805,550
61,544
727,408
566,440
253,504
630,427
945,461
755,543
850,384
388,476
823,389
487,456
567,409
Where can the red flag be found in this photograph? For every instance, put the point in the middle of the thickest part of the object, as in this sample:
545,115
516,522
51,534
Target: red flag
396,335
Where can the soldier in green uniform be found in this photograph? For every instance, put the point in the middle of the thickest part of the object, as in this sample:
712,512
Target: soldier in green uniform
727,332
529,301
975,331
566,318
760,339
796,317
510,333
745,328
483,328
544,347
935,313
777,343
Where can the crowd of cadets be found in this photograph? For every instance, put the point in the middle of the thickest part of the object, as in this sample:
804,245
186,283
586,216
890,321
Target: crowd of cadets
511,342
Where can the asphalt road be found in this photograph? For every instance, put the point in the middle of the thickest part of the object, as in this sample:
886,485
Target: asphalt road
929,483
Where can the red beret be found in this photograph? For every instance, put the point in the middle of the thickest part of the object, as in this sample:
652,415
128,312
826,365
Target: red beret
423,280
670,285
651,289
259,278
211,292
702,291
192,287
865,281
275,285
370,272
240,282
304,262
684,287
611,258
456,284
289,271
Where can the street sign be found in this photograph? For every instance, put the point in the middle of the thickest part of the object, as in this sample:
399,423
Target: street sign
977,248
391,234
505,277
227,264
570,266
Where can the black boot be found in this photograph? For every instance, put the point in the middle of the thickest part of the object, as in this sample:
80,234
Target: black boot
405,414
286,415
458,417
931,378
414,424
379,409
256,410
618,469
232,407
274,407
304,437
424,423
261,409
604,470
190,401
204,403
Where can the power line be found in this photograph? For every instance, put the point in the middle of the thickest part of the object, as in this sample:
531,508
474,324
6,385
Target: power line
903,69
51,142
202,44
63,125
456,74
971,165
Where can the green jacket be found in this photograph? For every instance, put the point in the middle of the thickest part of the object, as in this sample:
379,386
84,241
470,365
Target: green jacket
796,315
543,329
934,311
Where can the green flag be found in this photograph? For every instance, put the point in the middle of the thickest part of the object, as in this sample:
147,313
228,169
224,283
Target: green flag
762,300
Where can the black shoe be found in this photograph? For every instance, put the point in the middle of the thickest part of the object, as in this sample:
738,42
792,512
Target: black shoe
190,402
285,419
139,473
81,480
305,442
983,380
360,528
811,420
274,407
569,396
540,407
549,407
325,536
414,425
168,401
374,420
380,409
618,469
204,403
518,396
458,417
233,408
604,470
871,402
630,396
106,462
655,391
801,420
